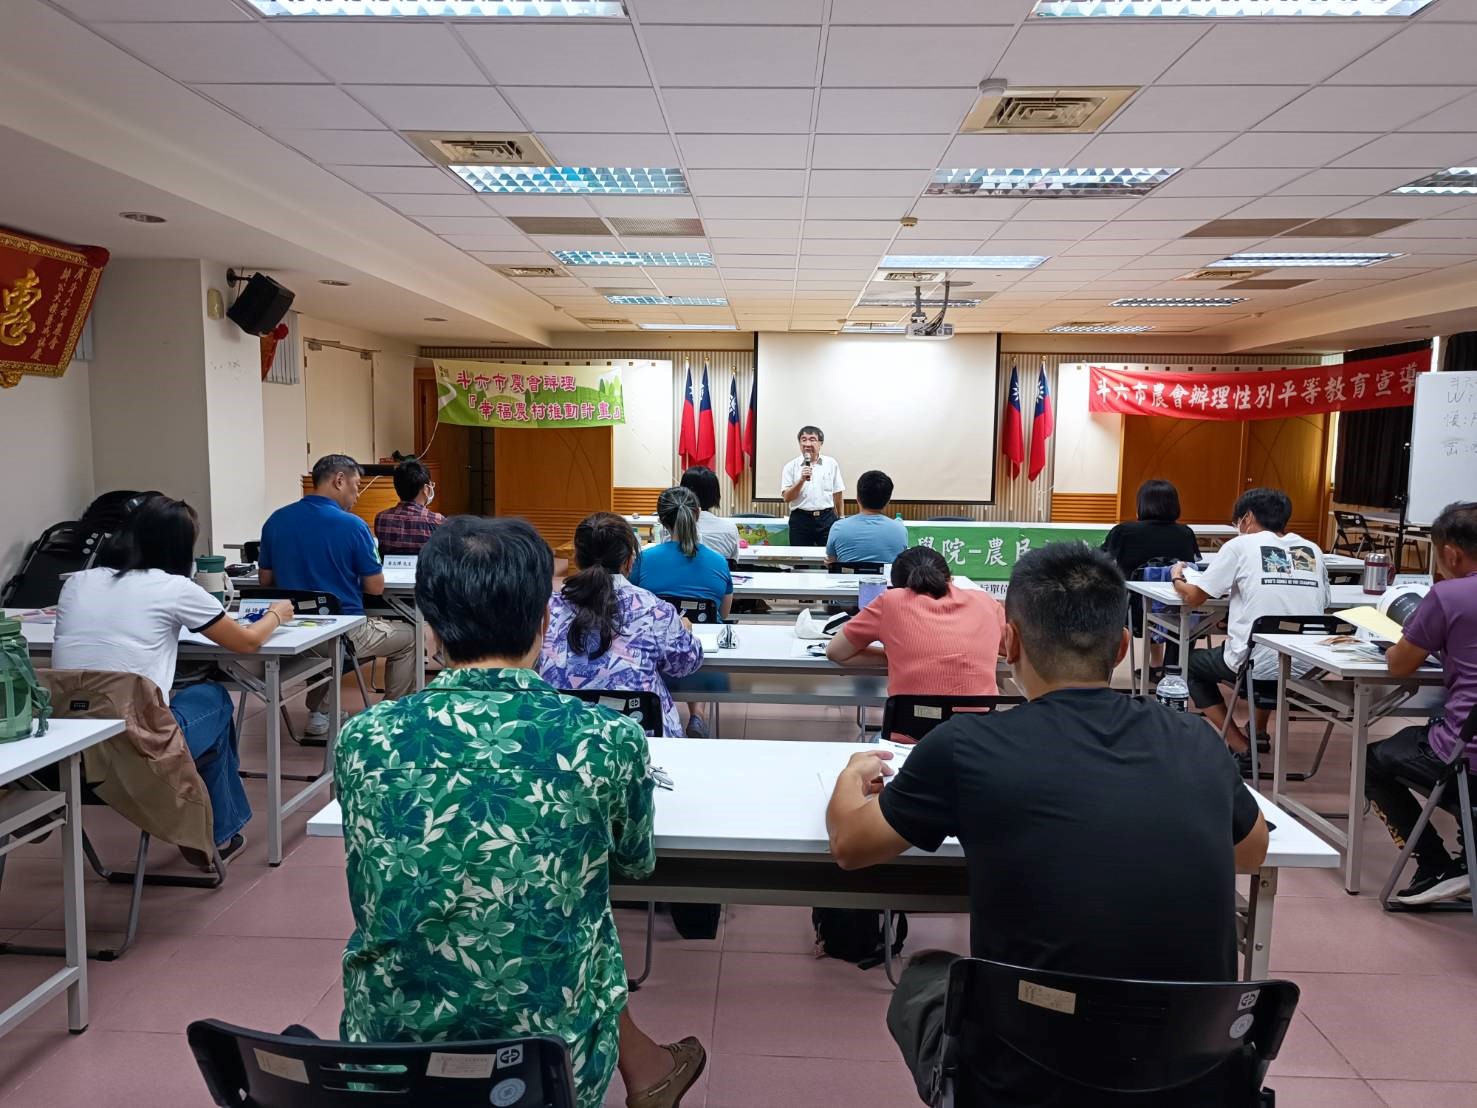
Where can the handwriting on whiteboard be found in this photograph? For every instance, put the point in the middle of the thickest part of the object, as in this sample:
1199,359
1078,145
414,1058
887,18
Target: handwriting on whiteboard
1461,415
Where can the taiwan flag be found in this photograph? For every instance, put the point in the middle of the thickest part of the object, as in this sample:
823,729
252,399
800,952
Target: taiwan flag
749,429
687,440
707,439
1012,436
733,445
1042,425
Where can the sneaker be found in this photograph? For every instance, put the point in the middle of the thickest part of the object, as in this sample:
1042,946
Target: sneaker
317,725
697,727
1243,763
1434,883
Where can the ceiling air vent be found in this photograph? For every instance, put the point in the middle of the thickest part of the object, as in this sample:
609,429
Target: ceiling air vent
607,322
531,271
1051,111
479,148
1223,275
914,276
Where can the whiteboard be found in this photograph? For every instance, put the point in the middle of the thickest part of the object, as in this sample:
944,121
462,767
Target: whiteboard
924,413
1443,444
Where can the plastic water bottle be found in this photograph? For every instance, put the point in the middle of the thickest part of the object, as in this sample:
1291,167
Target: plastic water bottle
1172,691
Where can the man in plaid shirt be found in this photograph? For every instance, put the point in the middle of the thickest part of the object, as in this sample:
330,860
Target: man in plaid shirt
406,527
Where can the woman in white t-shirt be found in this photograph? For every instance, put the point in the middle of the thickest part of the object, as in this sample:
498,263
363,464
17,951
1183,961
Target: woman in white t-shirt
127,618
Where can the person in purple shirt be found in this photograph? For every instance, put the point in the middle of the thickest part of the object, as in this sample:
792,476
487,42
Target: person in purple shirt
1444,624
606,633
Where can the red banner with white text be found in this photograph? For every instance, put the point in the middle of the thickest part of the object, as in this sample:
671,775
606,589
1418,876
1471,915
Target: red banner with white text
1259,393
45,294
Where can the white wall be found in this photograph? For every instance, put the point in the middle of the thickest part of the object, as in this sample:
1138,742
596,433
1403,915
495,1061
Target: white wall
284,442
46,448
394,381
1088,445
233,419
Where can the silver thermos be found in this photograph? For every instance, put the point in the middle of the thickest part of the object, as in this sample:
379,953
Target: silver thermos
1377,570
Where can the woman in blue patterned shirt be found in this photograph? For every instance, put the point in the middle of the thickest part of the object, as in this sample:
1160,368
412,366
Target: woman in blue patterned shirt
606,633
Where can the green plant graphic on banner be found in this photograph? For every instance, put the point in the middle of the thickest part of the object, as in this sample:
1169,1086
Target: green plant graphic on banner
493,394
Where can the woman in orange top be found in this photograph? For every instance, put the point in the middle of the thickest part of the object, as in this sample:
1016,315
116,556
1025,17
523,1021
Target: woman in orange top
939,640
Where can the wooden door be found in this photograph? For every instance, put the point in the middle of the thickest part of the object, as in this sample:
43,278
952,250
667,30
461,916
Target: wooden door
1202,458
554,477
1291,455
340,403
449,449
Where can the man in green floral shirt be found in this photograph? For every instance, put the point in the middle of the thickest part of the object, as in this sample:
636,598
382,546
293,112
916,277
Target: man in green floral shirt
482,818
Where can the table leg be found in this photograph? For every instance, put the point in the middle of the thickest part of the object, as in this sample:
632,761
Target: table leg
74,909
335,706
1258,954
1146,637
420,648
1279,727
1359,748
1187,617
272,679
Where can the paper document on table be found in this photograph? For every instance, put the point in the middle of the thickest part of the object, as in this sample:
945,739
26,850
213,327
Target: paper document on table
1373,620
39,615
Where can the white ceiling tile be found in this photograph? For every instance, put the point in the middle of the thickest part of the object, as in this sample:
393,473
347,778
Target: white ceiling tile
917,56
1128,248
216,52
1227,182
1435,150
1460,229
434,108
708,57
725,261
736,111
487,224
1276,149
500,245
868,182
1147,228
645,207
975,151
1291,207
966,207
611,149
582,110
736,151
753,207
978,229
308,106
870,111
756,244
520,204
856,248
879,230
1175,149
1061,52
878,151
1403,207
1281,53
431,204
746,182
935,12
376,178
962,247
1025,246
1072,208
1183,108
353,147
739,274
373,52
575,242
1183,207
1359,108
1456,116
159,11
1212,249
1424,54
530,53
475,243
751,228
1351,182
657,243
857,207
723,11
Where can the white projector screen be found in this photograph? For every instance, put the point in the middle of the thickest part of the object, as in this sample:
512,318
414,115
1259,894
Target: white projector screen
923,412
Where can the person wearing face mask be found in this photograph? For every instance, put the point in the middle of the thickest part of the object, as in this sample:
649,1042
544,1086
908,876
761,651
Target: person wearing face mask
813,488
407,527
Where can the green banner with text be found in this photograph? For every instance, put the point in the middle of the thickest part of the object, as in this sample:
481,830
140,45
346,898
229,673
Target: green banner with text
990,553
494,394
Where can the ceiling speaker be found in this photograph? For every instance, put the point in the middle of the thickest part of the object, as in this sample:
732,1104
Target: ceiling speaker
261,304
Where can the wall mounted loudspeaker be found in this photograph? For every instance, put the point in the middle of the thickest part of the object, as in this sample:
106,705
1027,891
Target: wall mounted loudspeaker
261,305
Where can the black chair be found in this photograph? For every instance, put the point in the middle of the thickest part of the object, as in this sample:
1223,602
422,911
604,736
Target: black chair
870,568
1353,535
1279,625
62,548
913,717
696,609
643,706
251,1069
1110,1036
251,551
1454,773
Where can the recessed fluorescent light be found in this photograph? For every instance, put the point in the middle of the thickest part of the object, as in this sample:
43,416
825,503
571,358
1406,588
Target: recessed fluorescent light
687,327
453,9
1098,329
1459,180
909,302
873,329
673,301
1279,261
143,217
1222,9
333,284
1177,301
561,179
1047,182
980,261
632,257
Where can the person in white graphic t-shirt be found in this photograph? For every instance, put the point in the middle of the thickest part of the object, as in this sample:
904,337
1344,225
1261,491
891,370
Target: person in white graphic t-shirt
813,487
1266,570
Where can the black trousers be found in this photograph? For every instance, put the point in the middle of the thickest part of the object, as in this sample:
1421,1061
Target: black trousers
1205,675
809,528
915,1015
1406,754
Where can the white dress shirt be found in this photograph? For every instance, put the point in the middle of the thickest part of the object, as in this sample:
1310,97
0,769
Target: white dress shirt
815,494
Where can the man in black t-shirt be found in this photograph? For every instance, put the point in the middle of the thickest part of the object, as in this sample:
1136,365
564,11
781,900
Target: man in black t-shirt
1101,832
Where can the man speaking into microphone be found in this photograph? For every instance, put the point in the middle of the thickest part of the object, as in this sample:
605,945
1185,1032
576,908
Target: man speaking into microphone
812,486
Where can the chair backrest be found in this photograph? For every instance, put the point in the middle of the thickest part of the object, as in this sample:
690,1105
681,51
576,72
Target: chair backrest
644,706
1117,1035
854,567
62,548
753,515
251,551
1351,520
696,609
306,602
251,1069
1301,625
909,718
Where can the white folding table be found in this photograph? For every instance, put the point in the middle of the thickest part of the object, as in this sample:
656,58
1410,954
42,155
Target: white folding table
62,746
1352,687
745,824
291,658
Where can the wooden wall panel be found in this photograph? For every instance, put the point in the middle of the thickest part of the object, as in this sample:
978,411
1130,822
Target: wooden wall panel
554,477
1203,459
375,494
1084,507
636,502
1292,455
445,449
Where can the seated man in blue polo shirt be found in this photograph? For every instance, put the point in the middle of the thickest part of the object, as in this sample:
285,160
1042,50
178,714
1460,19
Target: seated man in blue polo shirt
868,536
318,544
